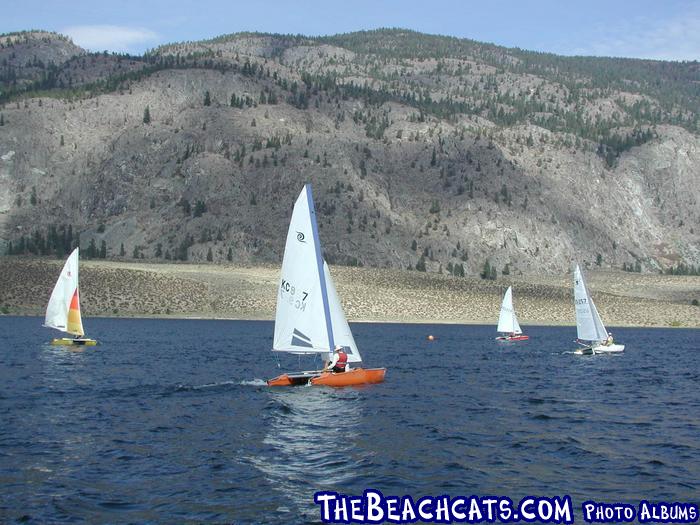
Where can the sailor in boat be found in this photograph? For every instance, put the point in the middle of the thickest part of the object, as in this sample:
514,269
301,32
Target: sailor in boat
339,361
609,340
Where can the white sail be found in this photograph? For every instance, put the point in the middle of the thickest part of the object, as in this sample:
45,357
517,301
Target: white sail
507,320
589,326
341,329
302,320
63,310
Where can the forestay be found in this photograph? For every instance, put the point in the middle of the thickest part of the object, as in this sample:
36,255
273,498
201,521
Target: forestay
589,326
301,321
63,310
507,320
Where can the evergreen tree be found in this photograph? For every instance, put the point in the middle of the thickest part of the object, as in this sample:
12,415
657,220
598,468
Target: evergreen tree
91,250
210,255
486,272
122,252
207,99
103,249
199,208
147,115
229,255
68,240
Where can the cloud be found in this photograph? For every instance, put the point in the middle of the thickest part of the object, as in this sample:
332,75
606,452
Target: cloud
111,38
673,38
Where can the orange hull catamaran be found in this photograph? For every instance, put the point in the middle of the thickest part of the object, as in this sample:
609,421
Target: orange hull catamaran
357,376
309,318
63,310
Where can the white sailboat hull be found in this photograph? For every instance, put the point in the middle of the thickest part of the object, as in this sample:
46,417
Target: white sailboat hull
611,349
600,349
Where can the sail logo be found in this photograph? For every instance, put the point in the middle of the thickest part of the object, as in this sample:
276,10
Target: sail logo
300,339
301,237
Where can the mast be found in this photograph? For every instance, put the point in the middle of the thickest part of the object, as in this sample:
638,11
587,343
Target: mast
319,268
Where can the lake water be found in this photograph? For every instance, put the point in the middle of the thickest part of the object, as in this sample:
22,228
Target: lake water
169,421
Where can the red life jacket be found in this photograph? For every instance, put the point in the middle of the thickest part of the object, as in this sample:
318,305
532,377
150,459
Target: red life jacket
342,361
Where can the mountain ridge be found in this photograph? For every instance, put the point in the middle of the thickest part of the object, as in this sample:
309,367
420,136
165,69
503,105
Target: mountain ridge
441,160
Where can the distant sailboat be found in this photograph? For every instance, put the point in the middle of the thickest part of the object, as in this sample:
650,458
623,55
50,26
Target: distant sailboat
309,317
508,321
591,333
63,310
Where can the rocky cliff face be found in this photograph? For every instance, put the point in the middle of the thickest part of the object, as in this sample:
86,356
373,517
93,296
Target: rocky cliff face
420,151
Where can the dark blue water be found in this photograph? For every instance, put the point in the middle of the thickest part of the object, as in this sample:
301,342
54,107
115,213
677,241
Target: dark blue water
169,421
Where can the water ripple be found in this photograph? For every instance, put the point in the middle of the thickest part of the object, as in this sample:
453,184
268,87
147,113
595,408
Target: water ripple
164,429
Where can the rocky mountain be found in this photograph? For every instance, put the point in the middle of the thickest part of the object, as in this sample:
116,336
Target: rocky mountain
424,152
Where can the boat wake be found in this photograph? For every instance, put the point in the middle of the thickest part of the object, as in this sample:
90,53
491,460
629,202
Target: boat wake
187,388
254,382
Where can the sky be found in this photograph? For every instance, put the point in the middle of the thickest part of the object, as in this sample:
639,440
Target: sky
655,29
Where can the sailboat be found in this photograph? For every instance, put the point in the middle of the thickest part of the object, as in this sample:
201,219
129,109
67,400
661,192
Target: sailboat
309,317
508,322
63,310
591,333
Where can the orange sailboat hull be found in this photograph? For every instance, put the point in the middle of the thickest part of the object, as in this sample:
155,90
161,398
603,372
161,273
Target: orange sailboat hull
520,337
357,376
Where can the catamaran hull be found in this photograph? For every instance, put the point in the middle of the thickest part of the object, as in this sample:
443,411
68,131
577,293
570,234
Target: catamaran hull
600,349
68,341
355,377
513,338
611,349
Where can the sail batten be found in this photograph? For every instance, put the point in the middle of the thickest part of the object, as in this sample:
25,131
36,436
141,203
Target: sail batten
589,325
63,310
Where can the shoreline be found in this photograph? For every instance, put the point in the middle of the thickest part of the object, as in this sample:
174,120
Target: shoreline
357,321
136,289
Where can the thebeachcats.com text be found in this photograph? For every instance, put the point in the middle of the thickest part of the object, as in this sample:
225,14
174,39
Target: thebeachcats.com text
374,507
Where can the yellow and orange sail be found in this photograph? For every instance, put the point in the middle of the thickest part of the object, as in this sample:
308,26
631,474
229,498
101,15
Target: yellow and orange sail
75,323
63,310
